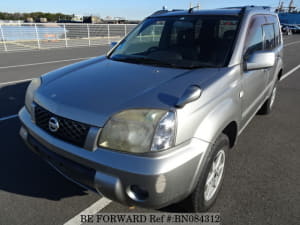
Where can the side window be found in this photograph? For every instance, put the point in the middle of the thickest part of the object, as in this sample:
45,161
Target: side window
254,39
274,20
269,36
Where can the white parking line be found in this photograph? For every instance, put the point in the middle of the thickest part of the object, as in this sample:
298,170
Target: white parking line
13,82
92,210
8,117
103,202
42,63
66,60
35,64
292,43
290,72
284,76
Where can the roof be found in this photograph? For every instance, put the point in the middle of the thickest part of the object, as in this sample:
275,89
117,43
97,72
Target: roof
197,12
233,11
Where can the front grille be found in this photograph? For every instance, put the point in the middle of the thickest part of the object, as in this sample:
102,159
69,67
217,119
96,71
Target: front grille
69,130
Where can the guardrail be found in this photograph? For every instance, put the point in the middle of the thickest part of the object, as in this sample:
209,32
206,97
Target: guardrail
29,36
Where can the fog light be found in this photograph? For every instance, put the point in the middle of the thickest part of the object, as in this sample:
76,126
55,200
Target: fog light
136,193
23,133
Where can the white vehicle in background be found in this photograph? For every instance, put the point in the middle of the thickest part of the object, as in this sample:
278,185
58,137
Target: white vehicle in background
289,29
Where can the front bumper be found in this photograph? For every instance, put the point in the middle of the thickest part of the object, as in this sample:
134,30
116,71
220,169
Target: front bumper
151,181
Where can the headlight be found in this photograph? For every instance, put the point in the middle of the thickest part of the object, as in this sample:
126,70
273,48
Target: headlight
33,86
164,136
139,130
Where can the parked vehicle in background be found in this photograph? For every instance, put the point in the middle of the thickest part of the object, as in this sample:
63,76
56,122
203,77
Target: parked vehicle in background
285,30
152,122
290,29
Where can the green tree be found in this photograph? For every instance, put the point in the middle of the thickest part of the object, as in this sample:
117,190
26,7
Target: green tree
51,17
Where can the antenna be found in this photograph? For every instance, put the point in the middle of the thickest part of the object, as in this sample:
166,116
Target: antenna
194,7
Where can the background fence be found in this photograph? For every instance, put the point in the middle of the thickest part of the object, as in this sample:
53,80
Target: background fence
28,36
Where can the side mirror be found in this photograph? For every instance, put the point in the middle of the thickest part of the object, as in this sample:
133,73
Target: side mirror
113,44
192,93
260,60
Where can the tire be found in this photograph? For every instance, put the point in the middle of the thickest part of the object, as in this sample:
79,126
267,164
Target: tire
201,199
268,105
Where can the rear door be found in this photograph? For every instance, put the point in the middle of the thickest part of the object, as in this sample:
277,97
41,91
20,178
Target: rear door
272,42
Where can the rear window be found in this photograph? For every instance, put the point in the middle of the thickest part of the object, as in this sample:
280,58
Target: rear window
227,27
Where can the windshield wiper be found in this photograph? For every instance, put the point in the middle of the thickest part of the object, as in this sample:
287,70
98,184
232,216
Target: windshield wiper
140,59
143,60
155,62
199,66
124,58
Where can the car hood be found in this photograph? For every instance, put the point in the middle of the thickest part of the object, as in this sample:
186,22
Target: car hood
92,91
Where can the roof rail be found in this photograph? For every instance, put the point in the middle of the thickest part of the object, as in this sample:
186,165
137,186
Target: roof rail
176,10
165,11
234,7
259,7
250,7
159,12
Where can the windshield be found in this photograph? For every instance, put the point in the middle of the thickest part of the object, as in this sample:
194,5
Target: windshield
180,41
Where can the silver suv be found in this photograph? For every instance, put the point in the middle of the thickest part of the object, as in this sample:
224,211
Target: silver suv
151,123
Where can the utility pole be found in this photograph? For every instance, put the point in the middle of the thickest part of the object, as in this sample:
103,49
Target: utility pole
291,6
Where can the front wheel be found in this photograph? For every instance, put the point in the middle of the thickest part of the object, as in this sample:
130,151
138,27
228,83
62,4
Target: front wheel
210,182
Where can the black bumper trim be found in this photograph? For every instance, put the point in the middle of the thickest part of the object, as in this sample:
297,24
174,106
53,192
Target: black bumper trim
80,174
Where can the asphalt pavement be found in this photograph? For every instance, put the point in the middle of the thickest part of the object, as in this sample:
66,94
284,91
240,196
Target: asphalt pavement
261,183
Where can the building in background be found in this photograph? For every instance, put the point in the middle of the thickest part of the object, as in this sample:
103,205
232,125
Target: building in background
77,19
114,20
42,20
92,19
29,20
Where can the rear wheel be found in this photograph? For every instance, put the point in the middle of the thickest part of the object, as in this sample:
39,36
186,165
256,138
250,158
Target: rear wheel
210,181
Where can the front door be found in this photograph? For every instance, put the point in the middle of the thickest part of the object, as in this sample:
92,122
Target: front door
254,81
